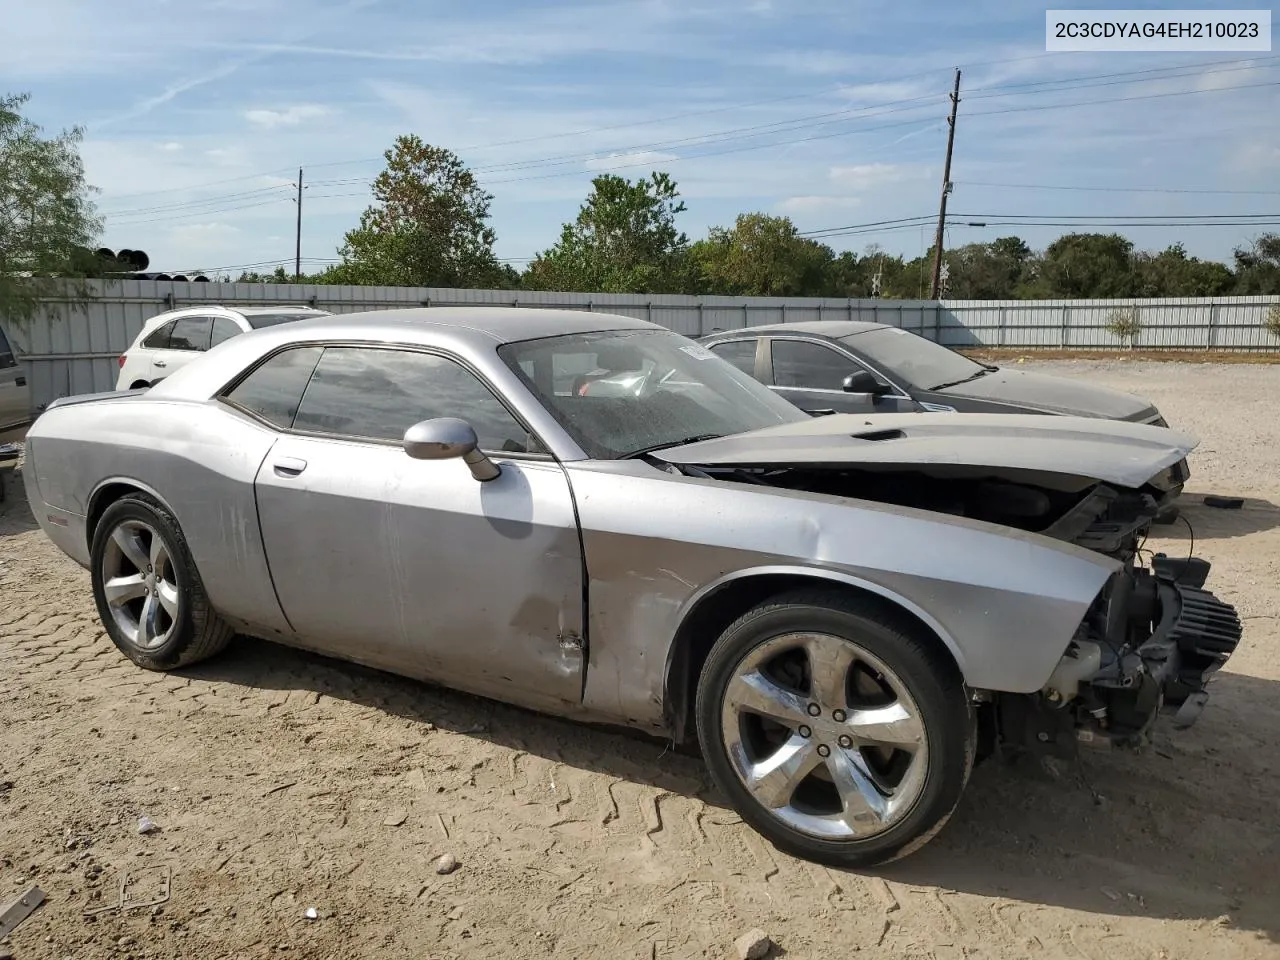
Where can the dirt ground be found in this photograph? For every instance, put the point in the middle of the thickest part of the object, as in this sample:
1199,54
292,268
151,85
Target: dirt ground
281,782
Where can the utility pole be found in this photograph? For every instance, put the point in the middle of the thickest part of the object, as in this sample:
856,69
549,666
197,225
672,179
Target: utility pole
297,250
946,189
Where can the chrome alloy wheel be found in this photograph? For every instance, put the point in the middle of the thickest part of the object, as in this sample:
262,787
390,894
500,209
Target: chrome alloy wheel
139,584
825,736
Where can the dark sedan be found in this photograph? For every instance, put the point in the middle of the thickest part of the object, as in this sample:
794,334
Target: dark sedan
852,367
845,366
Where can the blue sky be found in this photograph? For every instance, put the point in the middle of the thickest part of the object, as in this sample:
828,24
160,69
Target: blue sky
198,113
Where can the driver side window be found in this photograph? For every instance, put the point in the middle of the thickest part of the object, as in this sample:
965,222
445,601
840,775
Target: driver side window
808,365
377,394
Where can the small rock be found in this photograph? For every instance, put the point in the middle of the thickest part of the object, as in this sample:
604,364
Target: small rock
114,821
753,945
395,818
446,864
146,825
312,913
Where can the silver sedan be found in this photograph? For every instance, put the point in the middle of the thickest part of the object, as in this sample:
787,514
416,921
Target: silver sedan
593,516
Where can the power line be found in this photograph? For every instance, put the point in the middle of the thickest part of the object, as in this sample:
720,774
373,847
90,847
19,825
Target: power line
198,213
719,136
1056,186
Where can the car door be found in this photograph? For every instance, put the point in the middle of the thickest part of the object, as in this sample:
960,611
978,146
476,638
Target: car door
411,565
811,375
741,353
15,394
188,338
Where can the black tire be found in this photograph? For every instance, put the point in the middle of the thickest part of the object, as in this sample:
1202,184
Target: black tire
198,632
921,663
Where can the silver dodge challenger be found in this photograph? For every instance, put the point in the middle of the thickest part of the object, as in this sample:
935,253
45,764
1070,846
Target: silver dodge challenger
593,516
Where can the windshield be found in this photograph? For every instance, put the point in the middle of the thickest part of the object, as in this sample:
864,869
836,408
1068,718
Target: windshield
913,359
259,320
626,391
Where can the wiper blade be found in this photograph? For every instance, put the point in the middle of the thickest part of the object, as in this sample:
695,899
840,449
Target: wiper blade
672,443
955,383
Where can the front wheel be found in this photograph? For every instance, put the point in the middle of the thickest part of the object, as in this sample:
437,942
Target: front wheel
838,732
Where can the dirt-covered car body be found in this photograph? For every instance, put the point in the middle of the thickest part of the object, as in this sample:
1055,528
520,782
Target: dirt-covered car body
584,558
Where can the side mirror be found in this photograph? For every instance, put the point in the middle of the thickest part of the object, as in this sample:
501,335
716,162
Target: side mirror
864,382
446,438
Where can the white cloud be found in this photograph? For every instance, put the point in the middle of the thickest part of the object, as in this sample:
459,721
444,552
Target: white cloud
816,204
862,177
642,158
171,147
288,117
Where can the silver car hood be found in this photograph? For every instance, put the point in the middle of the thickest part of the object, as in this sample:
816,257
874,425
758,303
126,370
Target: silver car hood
1128,454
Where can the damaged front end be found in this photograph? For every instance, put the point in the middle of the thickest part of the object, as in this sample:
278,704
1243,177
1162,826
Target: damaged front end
1152,638
1150,644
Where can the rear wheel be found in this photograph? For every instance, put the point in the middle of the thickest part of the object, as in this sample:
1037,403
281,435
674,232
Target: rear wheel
148,591
839,735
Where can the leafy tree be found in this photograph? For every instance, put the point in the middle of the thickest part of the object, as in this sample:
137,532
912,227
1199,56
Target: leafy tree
763,256
1087,265
624,240
988,271
1171,273
1258,266
428,226
46,218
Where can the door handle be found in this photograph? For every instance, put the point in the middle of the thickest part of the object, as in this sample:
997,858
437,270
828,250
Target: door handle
161,363
20,382
289,466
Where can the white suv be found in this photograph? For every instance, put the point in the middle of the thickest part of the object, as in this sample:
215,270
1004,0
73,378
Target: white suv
173,339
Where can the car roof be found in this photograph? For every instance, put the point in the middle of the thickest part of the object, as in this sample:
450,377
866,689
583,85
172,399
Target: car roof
259,311
503,324
205,309
835,329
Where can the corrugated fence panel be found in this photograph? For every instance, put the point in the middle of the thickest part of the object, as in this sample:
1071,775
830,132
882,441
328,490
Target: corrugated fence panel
72,349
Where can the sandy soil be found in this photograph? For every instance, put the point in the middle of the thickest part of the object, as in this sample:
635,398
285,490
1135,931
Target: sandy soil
282,782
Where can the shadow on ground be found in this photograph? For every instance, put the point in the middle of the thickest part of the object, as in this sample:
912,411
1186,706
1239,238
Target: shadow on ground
15,514
1187,829
1211,523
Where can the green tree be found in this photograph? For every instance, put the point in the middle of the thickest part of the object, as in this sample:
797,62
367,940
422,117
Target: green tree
1085,266
988,271
428,226
763,256
1171,273
1258,266
624,240
46,217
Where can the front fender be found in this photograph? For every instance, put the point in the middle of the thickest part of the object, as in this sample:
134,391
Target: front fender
657,545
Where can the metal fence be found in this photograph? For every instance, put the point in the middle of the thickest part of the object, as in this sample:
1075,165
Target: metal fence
70,349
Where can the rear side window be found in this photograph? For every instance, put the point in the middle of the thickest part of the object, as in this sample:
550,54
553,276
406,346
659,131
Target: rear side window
223,329
741,353
378,394
260,320
190,333
802,363
159,339
274,390
7,358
